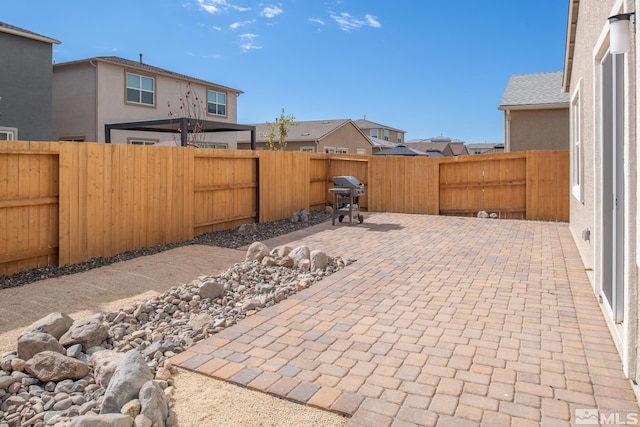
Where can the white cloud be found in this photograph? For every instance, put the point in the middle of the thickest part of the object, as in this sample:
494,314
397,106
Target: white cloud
219,6
348,22
247,42
217,28
239,24
271,11
316,20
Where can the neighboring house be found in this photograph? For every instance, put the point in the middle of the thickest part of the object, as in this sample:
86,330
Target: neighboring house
604,213
536,113
91,93
317,136
378,131
25,84
484,148
447,146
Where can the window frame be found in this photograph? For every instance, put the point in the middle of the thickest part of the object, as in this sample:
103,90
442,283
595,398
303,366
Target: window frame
577,156
373,133
143,141
385,133
399,138
329,150
9,131
342,150
361,151
140,89
226,103
308,149
213,145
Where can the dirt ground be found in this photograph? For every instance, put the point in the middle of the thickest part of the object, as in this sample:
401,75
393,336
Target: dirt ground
199,400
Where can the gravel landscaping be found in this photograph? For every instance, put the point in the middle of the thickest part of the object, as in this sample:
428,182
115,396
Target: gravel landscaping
226,239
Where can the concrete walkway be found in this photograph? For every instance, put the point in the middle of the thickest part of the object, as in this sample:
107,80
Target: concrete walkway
441,321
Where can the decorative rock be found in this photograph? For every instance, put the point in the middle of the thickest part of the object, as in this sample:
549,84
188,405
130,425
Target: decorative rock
52,366
299,253
286,262
89,331
34,342
304,265
200,321
247,229
17,364
154,404
131,408
55,324
256,252
319,260
281,251
142,421
483,214
105,420
304,215
131,374
74,350
295,218
493,215
211,289
104,364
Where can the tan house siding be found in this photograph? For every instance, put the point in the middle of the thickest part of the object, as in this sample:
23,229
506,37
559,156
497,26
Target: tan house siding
539,129
348,137
101,85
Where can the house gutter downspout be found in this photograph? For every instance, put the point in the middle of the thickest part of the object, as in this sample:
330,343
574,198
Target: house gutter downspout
95,118
507,130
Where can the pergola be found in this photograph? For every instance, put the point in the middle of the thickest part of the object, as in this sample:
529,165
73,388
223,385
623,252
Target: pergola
183,125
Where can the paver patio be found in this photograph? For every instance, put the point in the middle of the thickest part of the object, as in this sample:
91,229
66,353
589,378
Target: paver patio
440,321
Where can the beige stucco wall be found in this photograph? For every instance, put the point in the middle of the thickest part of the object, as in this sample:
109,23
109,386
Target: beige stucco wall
539,129
586,205
105,103
74,102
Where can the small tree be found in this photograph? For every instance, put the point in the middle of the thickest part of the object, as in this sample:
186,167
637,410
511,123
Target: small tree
280,125
190,105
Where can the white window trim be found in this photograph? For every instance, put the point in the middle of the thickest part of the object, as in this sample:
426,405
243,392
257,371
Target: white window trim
577,154
330,150
142,141
361,151
342,150
226,104
308,149
385,133
12,133
372,132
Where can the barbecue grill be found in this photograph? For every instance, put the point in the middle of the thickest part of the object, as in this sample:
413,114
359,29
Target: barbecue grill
346,198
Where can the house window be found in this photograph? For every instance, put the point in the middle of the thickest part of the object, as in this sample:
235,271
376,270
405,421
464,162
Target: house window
8,134
141,141
212,145
342,150
216,103
386,134
399,138
330,150
576,152
374,133
307,149
73,138
361,151
140,89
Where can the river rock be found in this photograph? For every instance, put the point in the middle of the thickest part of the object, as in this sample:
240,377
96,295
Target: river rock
53,366
31,343
319,260
281,251
55,324
257,251
130,375
200,321
90,331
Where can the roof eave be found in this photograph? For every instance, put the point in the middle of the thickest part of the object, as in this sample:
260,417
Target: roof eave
572,24
551,106
28,35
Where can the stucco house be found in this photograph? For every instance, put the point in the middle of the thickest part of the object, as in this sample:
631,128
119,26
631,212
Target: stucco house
340,136
382,132
25,84
91,93
604,218
449,147
536,113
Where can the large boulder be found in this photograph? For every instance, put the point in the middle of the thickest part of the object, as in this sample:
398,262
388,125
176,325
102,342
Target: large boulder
52,366
257,251
281,251
298,254
154,403
319,260
55,324
32,343
105,363
130,375
211,289
89,331
105,420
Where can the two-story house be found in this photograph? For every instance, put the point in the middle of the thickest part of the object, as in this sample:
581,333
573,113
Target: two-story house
91,93
381,132
25,84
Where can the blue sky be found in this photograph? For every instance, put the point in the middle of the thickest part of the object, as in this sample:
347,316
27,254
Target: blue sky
429,67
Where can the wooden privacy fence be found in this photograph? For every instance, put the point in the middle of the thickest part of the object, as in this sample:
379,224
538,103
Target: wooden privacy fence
62,203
